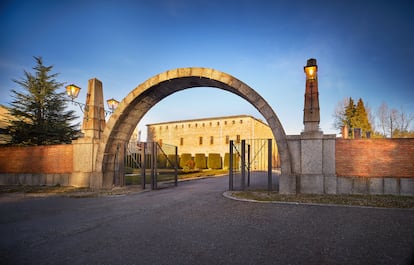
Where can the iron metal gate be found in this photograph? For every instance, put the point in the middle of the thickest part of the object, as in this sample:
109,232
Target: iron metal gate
151,163
252,164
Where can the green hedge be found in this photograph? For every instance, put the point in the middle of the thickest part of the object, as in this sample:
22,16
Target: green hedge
214,161
185,160
236,161
200,161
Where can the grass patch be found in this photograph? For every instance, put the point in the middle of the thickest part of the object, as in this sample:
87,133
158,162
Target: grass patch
40,189
167,175
386,201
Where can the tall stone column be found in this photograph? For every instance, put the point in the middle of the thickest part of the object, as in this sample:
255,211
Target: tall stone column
311,115
94,115
86,147
315,148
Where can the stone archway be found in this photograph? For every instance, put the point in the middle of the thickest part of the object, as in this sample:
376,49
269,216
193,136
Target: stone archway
138,102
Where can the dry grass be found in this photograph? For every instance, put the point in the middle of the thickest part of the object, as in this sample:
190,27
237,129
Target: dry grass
387,201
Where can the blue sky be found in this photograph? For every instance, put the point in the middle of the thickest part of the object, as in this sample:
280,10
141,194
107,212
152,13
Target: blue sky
364,49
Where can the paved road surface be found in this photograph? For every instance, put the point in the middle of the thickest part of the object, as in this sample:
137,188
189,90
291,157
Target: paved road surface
195,224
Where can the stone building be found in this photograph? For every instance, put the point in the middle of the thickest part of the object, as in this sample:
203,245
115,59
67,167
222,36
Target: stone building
5,118
210,135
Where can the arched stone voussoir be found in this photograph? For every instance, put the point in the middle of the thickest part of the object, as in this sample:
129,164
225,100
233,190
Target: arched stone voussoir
141,99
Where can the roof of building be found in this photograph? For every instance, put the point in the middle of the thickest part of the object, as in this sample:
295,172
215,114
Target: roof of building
208,119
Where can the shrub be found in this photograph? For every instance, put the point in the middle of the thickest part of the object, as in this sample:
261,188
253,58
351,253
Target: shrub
236,161
214,161
200,161
185,157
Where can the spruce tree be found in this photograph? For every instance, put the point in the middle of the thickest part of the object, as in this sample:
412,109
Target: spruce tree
39,112
349,118
361,117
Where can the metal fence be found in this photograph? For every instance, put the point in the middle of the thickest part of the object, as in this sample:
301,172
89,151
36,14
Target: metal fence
252,165
151,163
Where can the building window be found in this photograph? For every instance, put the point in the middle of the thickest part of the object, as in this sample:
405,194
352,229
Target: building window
225,123
181,141
211,139
200,140
234,122
238,138
204,124
189,125
211,123
241,121
196,125
166,127
227,139
218,123
160,128
160,142
176,126
182,126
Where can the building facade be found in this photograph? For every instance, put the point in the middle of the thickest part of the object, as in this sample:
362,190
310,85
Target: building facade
5,118
210,135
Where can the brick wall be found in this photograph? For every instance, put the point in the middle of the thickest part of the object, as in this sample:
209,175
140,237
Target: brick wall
375,157
49,159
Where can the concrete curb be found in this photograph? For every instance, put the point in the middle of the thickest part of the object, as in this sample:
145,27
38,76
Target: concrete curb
228,195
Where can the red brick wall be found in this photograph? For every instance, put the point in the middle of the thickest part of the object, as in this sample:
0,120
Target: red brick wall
48,159
375,157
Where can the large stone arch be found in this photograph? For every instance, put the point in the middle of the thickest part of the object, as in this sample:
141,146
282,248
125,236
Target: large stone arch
138,102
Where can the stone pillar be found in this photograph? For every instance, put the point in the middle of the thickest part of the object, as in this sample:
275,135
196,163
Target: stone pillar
86,147
94,115
311,116
345,132
315,153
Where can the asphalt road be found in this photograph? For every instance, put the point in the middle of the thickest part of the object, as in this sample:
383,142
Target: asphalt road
195,224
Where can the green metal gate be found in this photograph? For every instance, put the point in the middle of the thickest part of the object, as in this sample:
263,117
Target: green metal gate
151,163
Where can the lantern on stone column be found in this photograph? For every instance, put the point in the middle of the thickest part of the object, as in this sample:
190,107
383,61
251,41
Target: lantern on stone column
112,104
311,69
72,91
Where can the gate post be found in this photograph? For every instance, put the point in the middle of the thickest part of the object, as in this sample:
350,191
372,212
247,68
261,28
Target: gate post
153,166
176,166
269,164
231,166
143,164
248,165
243,164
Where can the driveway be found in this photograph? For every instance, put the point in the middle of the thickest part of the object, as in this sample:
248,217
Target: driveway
194,224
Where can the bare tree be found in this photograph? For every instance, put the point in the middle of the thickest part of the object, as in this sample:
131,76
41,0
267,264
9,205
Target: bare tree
383,114
392,121
339,114
371,116
404,120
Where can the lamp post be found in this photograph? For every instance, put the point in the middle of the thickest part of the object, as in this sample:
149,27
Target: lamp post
73,91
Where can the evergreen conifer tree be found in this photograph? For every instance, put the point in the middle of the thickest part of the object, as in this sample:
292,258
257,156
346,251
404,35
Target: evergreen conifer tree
39,113
361,117
349,117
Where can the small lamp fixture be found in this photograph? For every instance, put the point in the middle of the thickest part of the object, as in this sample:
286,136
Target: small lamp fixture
72,91
310,69
112,104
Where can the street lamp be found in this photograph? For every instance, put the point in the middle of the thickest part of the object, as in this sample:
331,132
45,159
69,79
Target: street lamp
73,91
310,69
112,104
